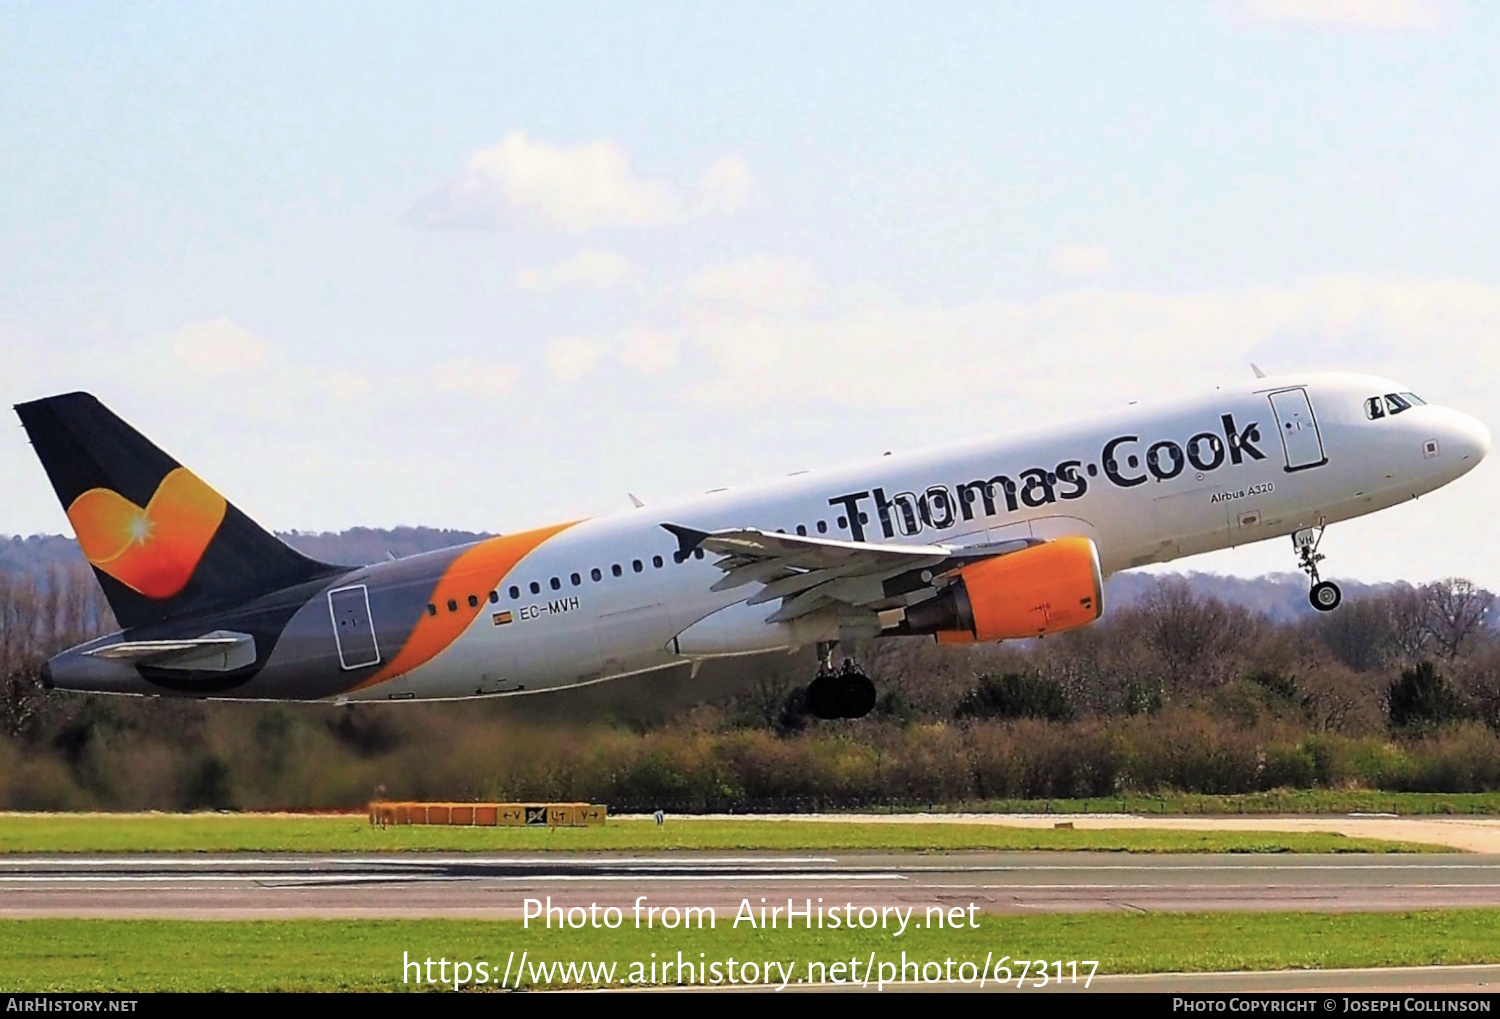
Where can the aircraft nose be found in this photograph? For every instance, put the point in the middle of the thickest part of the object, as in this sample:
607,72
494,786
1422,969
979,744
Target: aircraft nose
1466,439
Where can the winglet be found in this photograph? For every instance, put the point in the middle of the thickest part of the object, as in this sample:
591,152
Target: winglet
687,539
635,501
1256,369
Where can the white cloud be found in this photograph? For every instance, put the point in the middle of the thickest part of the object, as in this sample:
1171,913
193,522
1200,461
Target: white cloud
758,282
570,358
1095,344
461,375
218,348
347,385
648,351
589,267
1390,15
1080,261
724,187
574,189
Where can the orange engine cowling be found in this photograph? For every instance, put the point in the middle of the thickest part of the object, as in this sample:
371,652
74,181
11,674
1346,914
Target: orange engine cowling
1044,589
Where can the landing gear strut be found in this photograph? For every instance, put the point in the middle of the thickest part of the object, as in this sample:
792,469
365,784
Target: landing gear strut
1325,594
842,692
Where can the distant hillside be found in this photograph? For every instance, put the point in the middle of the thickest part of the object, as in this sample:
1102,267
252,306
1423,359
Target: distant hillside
34,554
1281,596
360,546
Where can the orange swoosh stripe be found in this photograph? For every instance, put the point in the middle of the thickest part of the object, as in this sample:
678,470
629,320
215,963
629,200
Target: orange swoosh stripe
480,569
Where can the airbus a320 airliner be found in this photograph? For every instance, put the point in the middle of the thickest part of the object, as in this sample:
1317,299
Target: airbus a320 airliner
1004,538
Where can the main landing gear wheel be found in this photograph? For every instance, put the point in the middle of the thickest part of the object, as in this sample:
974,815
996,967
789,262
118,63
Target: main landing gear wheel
843,693
1325,594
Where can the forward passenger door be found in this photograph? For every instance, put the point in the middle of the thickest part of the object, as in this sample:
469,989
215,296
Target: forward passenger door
1300,439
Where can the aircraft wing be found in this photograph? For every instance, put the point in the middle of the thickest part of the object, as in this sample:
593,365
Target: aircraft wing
808,573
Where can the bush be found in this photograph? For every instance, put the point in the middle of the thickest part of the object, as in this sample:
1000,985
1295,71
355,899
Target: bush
1288,767
207,785
1040,760
1423,697
1465,759
1016,695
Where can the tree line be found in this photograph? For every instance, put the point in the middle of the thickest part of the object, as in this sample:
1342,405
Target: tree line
1178,691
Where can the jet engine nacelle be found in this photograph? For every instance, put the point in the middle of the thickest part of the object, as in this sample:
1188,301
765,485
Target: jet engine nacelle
1044,589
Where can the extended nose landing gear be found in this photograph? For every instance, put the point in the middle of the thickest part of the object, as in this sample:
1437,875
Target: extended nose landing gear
843,692
1325,594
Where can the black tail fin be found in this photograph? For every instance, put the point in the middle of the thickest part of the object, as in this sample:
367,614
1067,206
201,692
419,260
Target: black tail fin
161,542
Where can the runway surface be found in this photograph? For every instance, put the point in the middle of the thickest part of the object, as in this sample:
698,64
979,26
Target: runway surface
495,886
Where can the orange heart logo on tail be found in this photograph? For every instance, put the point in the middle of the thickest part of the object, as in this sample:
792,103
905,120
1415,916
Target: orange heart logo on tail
154,550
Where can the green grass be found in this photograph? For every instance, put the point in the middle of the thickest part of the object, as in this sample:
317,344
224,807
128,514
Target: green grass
223,833
160,955
1278,801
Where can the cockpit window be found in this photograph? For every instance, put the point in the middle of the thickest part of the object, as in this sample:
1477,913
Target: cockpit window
1414,399
1396,403
1374,408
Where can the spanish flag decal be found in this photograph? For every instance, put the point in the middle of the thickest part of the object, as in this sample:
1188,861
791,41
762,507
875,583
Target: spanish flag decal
152,550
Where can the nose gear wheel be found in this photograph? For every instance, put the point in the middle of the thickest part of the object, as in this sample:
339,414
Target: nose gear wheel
1325,595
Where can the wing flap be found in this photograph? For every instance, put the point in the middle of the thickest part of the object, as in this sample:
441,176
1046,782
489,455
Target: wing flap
805,572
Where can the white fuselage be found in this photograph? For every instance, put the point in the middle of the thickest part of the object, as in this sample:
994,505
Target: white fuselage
1147,484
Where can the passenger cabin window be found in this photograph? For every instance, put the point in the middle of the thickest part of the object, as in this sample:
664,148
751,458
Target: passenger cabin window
515,592
656,561
575,579
452,605
494,597
431,609
637,566
596,574
473,601
1374,409
822,527
615,569
536,588
556,584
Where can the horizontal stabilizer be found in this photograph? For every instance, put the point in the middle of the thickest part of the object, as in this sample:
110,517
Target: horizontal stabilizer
219,651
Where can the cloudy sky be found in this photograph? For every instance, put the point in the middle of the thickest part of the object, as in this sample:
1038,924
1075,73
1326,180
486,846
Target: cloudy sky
489,266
